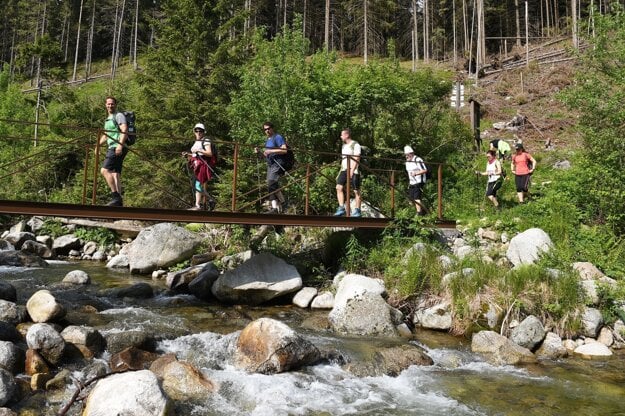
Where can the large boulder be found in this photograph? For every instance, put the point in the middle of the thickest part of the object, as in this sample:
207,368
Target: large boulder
390,361
499,350
591,322
259,279
88,341
18,258
551,348
435,317
268,346
18,238
38,249
179,281
159,247
43,307
593,350
360,309
44,339
64,244
526,247
529,333
201,286
135,393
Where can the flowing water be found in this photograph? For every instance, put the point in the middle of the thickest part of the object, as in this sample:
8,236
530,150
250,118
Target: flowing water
459,382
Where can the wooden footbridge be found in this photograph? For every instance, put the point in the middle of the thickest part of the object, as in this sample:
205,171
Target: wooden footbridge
170,202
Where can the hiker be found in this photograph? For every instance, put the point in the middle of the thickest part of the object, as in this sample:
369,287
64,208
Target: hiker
351,151
115,136
502,147
416,169
495,178
522,166
275,148
201,159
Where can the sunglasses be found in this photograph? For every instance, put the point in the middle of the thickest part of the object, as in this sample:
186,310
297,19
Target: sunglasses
266,128
198,130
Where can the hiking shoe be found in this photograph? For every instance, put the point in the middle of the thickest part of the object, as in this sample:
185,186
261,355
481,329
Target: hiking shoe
115,203
211,205
340,211
356,213
195,208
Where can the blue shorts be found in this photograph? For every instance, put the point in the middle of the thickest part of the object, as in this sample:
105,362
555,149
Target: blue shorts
113,162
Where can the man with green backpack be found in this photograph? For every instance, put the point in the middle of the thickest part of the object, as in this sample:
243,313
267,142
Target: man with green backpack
115,137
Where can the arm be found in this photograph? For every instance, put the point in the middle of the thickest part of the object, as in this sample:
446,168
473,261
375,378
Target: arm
123,129
354,161
531,159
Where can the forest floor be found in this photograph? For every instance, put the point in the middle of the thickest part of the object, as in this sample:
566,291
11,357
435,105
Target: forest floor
510,86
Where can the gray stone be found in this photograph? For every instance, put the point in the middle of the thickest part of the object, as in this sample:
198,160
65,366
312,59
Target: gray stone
390,361
230,262
119,341
112,396
606,337
64,244
90,247
562,164
11,357
77,277
183,382
262,278
588,271
19,227
100,256
499,350
18,258
44,339
589,287
159,247
304,297
526,247
7,291
593,350
45,239
591,322
179,281
552,347
201,286
325,300
8,386
17,239
88,340
436,317
10,313
43,307
6,246
138,291
529,334
37,249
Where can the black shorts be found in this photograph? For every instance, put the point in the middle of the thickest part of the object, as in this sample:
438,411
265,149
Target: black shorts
493,187
342,180
113,162
522,182
415,192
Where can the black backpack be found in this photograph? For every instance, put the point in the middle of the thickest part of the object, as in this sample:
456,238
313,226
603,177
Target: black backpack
288,160
130,122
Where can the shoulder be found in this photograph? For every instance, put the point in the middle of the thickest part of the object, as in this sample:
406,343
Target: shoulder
279,139
120,118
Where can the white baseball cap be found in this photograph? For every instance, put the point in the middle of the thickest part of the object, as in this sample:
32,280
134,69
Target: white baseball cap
199,126
408,149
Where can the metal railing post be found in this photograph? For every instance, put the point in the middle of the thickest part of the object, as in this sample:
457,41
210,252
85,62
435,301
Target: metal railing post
347,189
94,190
393,194
234,178
83,201
440,191
307,196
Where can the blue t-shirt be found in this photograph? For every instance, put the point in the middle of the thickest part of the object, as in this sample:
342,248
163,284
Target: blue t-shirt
274,142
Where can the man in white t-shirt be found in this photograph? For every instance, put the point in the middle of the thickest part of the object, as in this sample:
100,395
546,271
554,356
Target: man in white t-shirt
349,169
415,166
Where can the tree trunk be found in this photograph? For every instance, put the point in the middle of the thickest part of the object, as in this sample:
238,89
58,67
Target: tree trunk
453,19
465,24
134,45
77,41
426,38
90,43
366,44
574,23
327,27
518,23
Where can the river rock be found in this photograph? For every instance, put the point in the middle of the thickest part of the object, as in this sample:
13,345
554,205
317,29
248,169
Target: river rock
359,308
182,382
304,297
526,247
139,290
390,361
77,277
606,337
35,363
8,387
8,332
112,396
268,346
45,239
132,358
17,258
201,286
589,287
60,380
47,341
6,246
551,348
258,280
43,307
436,317
10,312
120,261
38,249
90,247
18,238
588,271
529,333
499,350
159,247
64,244
232,261
118,341
88,341
20,227
5,411
325,300
158,366
179,281
593,350
591,322
101,256
11,357
38,380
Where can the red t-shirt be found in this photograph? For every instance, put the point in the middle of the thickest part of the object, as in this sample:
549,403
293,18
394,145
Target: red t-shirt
520,162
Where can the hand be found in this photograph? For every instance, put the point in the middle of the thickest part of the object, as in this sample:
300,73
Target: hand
118,149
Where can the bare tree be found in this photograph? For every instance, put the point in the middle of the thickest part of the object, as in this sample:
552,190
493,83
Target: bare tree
518,23
77,41
327,26
366,44
90,43
136,32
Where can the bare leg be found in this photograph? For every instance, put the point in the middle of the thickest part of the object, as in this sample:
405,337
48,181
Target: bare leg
340,196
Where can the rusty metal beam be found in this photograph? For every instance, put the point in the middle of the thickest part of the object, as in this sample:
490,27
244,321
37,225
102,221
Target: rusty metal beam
169,215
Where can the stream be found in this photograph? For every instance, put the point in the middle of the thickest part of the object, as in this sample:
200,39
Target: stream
459,382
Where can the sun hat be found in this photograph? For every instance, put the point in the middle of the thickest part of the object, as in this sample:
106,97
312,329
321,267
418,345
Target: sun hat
408,149
199,126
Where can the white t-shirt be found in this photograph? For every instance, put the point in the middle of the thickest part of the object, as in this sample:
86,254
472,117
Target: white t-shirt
352,149
415,165
491,168
200,145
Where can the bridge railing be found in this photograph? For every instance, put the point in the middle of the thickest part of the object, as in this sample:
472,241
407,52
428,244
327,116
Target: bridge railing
241,175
